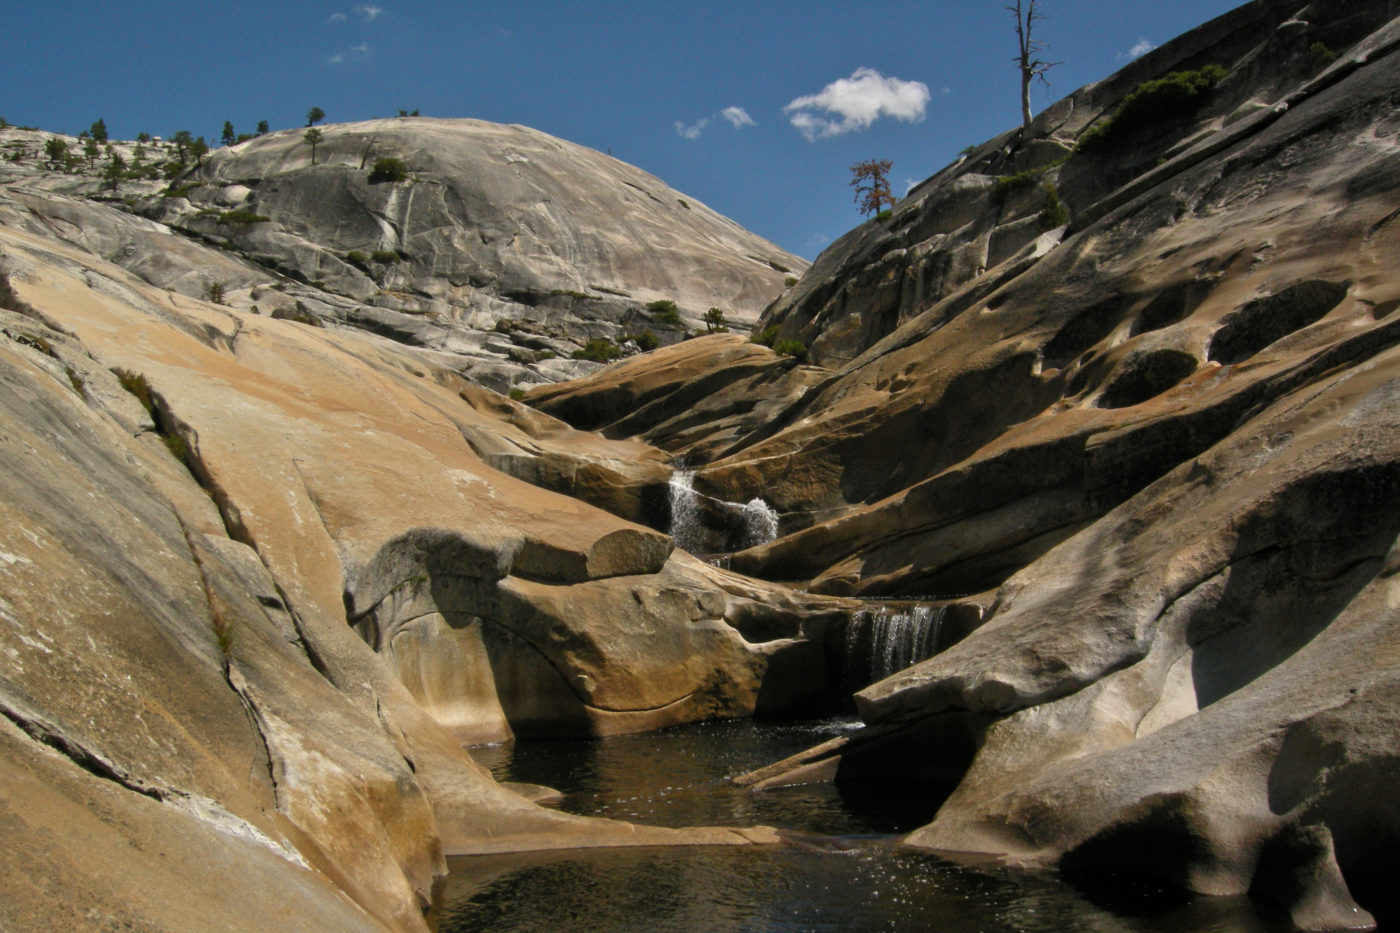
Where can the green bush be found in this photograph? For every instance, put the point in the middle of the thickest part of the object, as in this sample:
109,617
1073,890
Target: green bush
1320,56
388,169
214,292
715,322
790,281
1007,185
885,214
646,340
793,348
386,256
136,384
765,336
1154,102
358,259
1053,212
664,311
599,350
242,216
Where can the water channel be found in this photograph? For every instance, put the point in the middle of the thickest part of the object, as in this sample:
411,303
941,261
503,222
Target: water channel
843,868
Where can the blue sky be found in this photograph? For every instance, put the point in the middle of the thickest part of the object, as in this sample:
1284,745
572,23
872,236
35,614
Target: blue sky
756,108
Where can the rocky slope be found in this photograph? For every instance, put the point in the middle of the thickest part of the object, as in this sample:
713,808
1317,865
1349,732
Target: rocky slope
260,579
499,252
1152,436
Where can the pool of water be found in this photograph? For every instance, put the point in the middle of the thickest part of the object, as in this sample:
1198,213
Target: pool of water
843,868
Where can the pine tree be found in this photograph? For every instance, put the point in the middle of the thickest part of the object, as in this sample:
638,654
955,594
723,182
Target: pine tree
315,115
228,137
313,137
872,184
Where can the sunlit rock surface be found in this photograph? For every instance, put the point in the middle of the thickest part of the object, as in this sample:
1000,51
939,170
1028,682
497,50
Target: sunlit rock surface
1158,440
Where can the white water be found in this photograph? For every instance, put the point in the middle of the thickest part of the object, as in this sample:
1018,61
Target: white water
756,521
760,522
685,510
893,640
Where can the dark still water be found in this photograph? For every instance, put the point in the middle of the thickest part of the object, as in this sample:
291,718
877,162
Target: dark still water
843,869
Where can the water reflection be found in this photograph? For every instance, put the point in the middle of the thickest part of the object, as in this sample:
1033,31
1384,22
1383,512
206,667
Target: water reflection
852,875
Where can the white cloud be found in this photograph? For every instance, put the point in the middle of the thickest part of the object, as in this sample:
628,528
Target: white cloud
356,53
694,130
368,12
1140,48
337,18
738,116
856,102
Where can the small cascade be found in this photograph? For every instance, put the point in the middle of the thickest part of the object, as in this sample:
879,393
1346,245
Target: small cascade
685,527
703,525
886,640
760,523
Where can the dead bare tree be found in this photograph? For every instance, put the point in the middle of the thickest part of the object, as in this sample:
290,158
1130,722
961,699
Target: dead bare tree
1028,59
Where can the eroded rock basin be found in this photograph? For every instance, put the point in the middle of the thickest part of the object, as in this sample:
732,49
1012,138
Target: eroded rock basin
841,866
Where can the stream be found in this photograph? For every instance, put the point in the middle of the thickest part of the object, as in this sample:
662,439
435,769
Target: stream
844,869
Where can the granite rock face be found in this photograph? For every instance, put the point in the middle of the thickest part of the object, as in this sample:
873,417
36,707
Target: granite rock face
500,251
1156,438
261,579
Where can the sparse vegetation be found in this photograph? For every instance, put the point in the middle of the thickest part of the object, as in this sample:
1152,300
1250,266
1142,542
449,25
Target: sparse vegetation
599,350
664,311
715,322
358,259
793,348
1053,212
790,281
183,191
1155,102
214,293
1007,185
386,257
646,341
1320,56
136,384
765,336
388,169
242,216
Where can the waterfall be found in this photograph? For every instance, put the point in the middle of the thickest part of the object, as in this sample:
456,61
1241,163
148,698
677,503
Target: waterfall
890,640
702,525
685,510
760,523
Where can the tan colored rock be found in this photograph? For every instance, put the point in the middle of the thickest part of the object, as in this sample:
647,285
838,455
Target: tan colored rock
177,666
